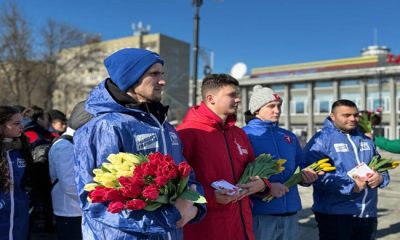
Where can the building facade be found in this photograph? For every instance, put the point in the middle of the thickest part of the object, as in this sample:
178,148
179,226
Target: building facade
176,54
308,90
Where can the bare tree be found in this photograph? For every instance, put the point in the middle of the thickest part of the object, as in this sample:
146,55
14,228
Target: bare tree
31,73
65,48
15,56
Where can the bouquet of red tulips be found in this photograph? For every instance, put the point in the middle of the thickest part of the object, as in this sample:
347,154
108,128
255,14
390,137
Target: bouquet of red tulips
136,182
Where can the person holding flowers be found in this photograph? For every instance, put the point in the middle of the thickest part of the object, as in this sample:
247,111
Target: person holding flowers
345,200
128,117
218,150
276,219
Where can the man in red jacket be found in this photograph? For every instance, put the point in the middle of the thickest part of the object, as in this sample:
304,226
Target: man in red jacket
217,149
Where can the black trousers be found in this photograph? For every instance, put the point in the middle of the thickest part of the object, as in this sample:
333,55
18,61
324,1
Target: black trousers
69,228
345,227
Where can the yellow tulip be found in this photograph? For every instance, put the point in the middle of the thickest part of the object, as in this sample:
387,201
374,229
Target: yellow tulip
115,159
90,186
122,168
124,173
323,165
328,169
109,167
280,162
128,157
395,164
98,171
281,169
323,160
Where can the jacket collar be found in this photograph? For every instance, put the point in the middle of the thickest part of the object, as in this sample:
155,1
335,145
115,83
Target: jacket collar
264,123
157,109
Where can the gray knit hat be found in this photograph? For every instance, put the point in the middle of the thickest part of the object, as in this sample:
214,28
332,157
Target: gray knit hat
262,96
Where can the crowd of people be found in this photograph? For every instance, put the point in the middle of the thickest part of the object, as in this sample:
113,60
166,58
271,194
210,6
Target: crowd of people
47,159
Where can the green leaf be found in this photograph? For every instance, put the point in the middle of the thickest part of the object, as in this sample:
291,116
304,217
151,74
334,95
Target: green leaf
162,199
182,185
193,196
151,206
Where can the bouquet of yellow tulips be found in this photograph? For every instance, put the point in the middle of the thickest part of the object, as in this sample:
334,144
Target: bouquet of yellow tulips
263,166
382,164
322,165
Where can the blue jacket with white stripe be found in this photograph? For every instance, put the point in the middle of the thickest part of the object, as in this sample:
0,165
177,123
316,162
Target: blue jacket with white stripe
116,128
14,204
333,192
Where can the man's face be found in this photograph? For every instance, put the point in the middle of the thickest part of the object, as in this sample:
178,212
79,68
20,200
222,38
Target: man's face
150,86
59,125
270,111
13,128
345,118
226,100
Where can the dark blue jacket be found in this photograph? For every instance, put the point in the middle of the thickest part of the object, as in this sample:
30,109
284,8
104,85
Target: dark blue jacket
14,205
333,192
116,128
268,137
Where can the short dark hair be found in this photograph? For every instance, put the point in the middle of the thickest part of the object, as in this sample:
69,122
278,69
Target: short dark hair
216,81
343,102
34,113
57,115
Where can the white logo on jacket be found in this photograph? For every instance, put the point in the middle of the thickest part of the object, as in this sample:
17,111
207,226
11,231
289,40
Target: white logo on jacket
146,141
341,147
2,204
242,151
364,146
174,138
21,162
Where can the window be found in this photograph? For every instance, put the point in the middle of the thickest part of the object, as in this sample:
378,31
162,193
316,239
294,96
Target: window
299,107
277,87
398,104
349,82
373,103
299,85
324,84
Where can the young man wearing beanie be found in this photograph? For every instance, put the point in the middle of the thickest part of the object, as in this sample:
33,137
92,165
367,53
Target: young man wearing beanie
275,220
65,199
217,149
128,117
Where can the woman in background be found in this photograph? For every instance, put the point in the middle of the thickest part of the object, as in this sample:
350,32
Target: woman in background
15,157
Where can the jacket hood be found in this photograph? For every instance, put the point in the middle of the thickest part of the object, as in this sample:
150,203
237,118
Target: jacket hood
202,114
256,122
100,101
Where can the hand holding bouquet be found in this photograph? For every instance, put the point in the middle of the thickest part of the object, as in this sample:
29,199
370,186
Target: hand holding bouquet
382,164
135,182
264,166
319,167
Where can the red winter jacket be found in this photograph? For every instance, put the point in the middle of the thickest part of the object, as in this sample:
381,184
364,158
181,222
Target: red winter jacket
217,152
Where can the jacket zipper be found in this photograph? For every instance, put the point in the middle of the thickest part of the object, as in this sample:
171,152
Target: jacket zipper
359,162
162,133
234,177
10,167
279,156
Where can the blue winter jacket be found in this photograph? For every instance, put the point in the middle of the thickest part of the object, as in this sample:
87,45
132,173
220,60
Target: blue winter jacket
114,129
14,205
333,192
268,137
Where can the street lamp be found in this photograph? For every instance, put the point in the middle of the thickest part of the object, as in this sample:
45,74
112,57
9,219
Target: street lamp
196,20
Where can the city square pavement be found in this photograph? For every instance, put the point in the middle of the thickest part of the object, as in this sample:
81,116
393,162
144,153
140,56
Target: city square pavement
388,209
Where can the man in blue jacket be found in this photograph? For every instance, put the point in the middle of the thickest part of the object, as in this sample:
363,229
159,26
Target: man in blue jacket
345,207
128,117
275,220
